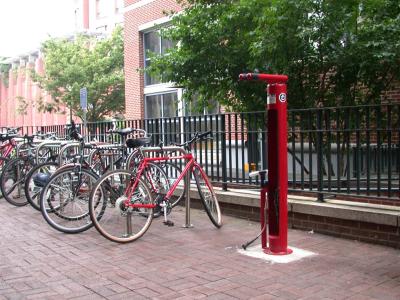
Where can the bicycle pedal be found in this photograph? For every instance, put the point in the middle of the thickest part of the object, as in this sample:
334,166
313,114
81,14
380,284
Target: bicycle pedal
168,223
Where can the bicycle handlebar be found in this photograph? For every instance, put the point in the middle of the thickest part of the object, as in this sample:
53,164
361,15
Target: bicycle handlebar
268,78
196,137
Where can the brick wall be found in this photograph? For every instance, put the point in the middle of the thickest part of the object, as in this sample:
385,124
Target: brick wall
393,94
349,229
21,86
134,82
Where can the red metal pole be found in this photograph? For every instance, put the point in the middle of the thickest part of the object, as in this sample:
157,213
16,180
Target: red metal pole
262,217
277,164
277,170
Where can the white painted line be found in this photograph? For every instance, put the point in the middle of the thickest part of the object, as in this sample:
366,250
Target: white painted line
257,252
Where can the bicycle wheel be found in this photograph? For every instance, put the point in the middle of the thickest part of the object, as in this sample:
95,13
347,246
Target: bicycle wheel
64,199
36,179
13,178
208,196
3,162
110,214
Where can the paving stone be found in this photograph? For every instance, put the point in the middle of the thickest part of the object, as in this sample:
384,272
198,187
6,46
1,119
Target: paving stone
37,262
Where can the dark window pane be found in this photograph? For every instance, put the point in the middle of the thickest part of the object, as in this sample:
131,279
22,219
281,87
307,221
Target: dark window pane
148,79
213,107
166,44
170,105
151,42
153,106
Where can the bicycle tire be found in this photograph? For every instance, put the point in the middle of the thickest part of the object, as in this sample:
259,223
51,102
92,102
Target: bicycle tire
12,180
32,191
58,193
112,219
3,162
207,196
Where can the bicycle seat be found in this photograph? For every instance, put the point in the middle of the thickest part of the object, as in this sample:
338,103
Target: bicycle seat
122,132
41,179
139,142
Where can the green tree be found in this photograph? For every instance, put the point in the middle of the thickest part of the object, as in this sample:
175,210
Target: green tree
334,52
85,61
4,69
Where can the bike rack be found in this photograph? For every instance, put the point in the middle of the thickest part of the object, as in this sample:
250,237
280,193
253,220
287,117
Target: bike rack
48,144
73,144
104,147
187,178
22,142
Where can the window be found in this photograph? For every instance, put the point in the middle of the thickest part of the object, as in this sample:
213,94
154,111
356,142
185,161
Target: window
119,5
101,8
161,105
154,43
194,108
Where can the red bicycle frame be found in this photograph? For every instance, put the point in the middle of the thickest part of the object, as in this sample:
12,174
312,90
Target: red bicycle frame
6,148
191,163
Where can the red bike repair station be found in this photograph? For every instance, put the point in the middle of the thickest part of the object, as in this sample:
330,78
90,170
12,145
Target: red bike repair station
274,191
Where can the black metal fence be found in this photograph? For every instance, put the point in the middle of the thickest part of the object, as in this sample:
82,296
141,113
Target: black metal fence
352,151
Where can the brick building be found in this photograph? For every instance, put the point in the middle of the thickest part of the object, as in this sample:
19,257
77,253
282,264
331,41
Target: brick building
146,96
19,94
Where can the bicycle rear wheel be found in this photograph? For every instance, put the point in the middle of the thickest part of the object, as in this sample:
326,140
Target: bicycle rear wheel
36,179
110,214
208,196
64,199
13,179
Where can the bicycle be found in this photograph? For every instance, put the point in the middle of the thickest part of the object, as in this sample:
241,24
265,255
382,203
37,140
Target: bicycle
14,173
123,212
8,146
65,195
39,175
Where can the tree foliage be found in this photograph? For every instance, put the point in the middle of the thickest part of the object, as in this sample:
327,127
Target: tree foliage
334,52
85,61
4,70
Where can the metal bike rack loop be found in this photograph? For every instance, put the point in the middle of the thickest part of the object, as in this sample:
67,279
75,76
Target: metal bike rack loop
102,147
187,178
48,144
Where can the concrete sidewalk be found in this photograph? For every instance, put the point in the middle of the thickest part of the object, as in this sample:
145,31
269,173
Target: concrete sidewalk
37,262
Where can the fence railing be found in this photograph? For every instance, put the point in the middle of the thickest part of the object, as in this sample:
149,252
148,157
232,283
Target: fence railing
352,151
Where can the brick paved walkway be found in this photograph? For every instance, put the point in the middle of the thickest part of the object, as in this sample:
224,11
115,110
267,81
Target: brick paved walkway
37,262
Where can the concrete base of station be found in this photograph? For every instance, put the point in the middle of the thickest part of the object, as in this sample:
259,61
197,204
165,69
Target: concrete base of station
258,252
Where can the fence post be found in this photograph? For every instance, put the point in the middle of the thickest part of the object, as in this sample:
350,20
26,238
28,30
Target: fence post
223,156
320,157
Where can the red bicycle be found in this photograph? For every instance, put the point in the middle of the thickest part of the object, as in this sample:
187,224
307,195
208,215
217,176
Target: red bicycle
8,145
122,203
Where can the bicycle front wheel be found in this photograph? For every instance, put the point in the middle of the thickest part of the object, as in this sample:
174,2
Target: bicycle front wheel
13,179
208,197
113,214
64,199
